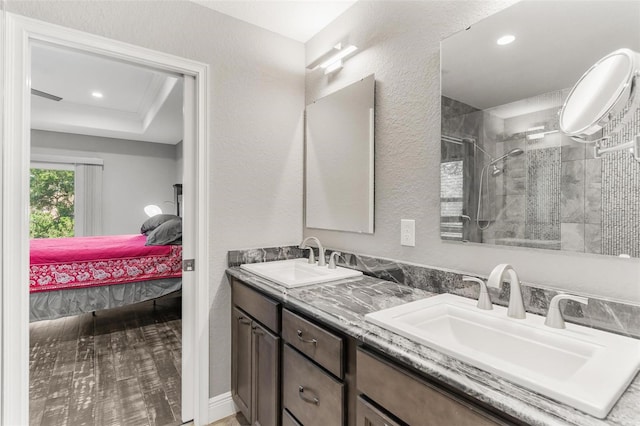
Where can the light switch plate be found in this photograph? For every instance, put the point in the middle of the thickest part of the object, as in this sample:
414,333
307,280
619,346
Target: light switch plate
408,232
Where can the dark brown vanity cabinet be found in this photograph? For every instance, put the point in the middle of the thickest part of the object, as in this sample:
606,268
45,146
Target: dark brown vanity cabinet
411,399
370,415
255,356
314,380
316,376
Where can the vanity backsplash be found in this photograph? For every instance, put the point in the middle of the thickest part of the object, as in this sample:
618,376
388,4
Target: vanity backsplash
616,317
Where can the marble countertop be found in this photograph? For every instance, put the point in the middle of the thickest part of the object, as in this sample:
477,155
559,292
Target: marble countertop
343,305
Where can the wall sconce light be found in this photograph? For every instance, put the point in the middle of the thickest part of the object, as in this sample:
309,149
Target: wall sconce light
333,59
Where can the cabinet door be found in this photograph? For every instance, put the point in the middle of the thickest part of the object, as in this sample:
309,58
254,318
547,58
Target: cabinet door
266,377
369,415
241,339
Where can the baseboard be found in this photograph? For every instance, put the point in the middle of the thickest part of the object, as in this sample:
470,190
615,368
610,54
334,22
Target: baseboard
221,406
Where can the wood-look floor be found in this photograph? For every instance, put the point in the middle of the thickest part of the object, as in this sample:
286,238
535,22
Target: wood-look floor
235,420
121,367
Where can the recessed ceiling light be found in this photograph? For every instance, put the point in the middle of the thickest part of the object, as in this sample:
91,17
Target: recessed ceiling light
506,39
97,95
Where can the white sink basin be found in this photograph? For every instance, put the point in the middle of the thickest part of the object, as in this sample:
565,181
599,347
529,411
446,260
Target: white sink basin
585,368
297,272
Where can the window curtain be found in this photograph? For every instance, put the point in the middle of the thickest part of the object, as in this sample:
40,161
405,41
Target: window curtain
88,200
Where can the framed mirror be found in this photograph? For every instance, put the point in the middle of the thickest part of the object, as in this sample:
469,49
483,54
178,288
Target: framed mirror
340,159
509,174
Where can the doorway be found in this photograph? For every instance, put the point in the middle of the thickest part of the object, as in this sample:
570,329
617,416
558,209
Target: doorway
102,350
21,33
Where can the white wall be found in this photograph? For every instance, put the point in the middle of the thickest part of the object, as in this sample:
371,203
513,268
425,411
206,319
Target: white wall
257,100
399,42
135,174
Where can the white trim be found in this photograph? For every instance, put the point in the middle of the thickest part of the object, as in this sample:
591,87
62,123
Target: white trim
65,159
15,228
221,406
51,166
19,32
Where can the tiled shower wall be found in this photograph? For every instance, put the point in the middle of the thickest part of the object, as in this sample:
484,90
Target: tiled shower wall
543,204
557,195
621,195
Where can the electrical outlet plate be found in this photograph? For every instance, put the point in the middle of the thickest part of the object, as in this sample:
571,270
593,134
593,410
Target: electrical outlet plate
408,232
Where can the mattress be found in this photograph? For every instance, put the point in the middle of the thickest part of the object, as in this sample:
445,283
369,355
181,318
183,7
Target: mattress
81,262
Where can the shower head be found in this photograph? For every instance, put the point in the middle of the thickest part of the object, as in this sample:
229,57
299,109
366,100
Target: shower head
495,171
513,153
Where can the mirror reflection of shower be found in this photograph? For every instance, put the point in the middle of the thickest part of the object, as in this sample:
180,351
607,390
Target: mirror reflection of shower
495,171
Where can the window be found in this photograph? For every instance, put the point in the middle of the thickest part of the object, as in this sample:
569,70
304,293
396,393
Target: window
66,196
52,196
451,201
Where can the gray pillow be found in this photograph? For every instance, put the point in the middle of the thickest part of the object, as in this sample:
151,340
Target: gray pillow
169,233
155,221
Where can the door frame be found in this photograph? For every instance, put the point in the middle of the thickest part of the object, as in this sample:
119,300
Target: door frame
17,34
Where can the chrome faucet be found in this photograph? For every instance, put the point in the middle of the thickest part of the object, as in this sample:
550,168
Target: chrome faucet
332,259
321,259
554,316
516,305
484,301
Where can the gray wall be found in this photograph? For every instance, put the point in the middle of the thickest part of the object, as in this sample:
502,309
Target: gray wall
255,148
179,162
399,42
135,174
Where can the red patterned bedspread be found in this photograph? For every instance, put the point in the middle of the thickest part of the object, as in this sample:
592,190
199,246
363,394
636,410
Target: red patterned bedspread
61,263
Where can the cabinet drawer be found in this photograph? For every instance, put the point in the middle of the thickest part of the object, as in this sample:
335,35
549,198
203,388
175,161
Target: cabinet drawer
260,307
311,395
369,415
320,345
412,400
288,420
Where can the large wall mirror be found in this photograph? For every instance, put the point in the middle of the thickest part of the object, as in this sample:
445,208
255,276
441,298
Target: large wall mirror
339,159
509,176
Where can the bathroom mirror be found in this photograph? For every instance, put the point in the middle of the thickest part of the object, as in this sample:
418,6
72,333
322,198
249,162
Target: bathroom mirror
511,173
340,159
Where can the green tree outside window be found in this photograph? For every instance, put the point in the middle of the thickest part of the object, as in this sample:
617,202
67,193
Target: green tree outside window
52,199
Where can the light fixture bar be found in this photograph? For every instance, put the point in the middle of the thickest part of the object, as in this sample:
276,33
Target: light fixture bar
540,135
342,53
326,56
336,53
335,66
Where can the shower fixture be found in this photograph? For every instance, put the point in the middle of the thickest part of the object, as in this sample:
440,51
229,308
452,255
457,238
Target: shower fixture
495,172
513,153
493,164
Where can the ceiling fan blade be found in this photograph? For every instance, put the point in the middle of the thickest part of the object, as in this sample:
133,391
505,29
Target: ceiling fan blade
46,95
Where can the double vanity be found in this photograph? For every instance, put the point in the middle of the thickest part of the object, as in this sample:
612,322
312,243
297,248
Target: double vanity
364,351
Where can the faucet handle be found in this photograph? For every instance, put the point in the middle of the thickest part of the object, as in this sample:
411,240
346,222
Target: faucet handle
312,256
484,301
332,259
554,315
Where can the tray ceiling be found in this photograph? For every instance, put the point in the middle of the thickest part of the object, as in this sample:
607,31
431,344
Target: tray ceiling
137,103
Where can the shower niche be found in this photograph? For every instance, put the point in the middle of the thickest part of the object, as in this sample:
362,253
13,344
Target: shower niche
508,175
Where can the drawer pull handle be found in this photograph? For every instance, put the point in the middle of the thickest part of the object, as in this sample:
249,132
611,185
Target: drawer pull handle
244,321
313,400
312,341
257,331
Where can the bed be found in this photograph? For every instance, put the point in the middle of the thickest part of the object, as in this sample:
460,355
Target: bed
71,276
